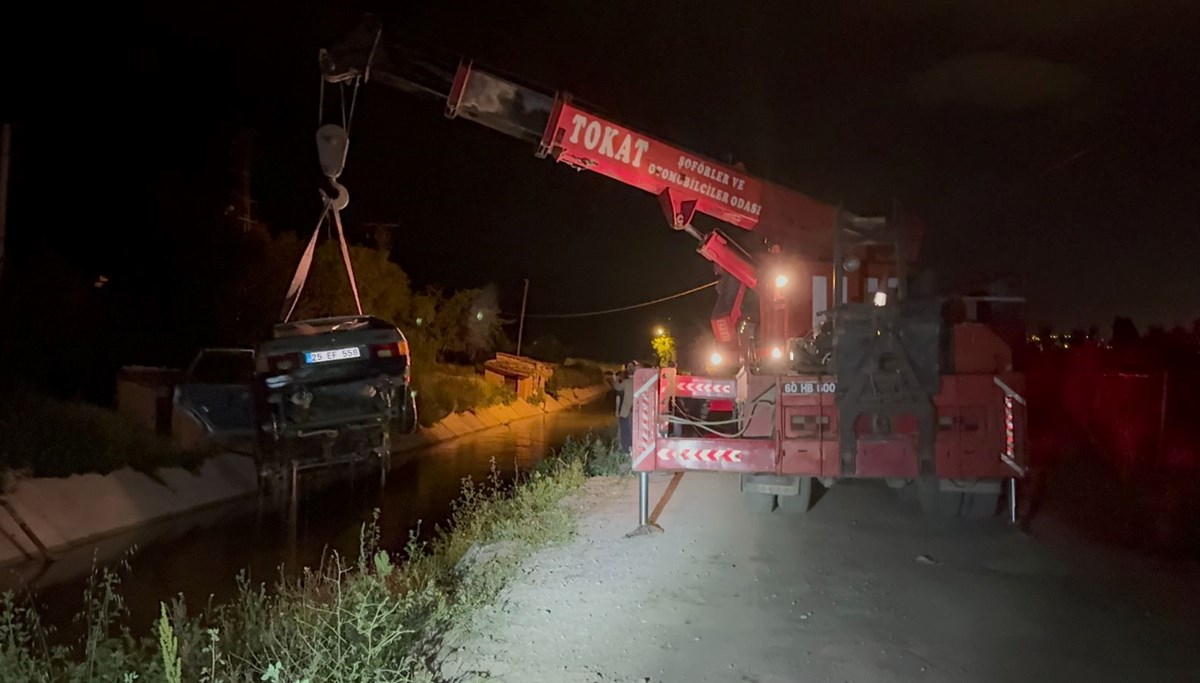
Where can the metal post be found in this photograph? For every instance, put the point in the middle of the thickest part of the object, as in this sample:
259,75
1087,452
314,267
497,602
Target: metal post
1012,499
521,325
5,155
294,500
643,499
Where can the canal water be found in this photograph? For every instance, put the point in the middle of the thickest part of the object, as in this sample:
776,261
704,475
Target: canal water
200,556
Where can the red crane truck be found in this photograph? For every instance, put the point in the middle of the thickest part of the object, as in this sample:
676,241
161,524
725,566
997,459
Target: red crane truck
842,372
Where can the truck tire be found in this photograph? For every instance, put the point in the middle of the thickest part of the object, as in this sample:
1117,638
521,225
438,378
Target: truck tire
979,505
758,503
936,502
799,504
955,504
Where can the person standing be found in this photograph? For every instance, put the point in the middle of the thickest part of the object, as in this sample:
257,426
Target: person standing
623,384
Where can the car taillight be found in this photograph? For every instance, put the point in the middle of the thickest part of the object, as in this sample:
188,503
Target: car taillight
284,362
393,350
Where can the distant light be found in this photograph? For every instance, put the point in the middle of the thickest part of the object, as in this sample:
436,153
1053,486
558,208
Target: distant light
776,353
479,315
420,320
880,299
781,281
715,358
659,331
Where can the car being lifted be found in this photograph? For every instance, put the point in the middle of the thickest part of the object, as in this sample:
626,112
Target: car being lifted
330,387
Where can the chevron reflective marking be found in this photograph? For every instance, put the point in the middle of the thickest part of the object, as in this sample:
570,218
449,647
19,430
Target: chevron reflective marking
700,455
686,385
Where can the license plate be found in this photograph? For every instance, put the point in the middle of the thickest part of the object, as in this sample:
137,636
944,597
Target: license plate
809,387
332,354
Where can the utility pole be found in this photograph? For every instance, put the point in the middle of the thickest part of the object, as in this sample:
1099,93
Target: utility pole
521,325
5,156
243,152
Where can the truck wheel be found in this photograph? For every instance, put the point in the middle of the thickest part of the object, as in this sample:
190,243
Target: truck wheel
979,505
936,502
801,503
758,503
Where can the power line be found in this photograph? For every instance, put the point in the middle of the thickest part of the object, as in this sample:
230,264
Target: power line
624,308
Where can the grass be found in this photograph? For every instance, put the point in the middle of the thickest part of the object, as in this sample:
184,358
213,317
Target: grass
47,437
380,617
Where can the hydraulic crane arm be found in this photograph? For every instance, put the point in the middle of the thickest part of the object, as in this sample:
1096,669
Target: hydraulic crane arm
686,183
789,223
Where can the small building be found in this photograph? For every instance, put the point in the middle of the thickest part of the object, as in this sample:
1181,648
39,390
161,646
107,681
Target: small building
525,376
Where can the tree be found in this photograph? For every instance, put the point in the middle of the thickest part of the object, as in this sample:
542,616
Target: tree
664,349
1124,331
383,288
464,324
547,348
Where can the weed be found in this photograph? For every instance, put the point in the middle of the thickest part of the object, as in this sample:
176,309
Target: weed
374,619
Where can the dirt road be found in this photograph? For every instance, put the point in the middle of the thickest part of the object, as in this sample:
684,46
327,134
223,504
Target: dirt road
862,588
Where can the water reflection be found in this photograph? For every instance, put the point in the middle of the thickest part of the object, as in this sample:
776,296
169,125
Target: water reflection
201,556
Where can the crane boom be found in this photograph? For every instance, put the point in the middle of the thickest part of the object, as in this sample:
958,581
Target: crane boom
796,228
685,181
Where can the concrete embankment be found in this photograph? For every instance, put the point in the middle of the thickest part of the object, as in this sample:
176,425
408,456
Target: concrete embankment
41,516
467,422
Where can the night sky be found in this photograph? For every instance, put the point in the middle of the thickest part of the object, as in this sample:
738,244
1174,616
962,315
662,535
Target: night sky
1051,142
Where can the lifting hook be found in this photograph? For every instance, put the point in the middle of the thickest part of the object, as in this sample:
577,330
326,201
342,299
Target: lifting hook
332,144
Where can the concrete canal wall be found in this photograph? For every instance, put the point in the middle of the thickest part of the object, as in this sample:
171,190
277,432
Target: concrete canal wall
39,516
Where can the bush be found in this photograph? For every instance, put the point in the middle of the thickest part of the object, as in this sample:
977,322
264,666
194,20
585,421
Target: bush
53,438
575,373
445,389
370,619
599,457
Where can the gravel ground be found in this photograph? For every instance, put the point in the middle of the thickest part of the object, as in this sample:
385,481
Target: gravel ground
862,588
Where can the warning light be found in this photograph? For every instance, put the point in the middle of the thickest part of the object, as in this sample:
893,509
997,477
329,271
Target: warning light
715,358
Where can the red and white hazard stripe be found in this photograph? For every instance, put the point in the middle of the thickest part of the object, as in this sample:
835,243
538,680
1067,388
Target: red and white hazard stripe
698,387
700,455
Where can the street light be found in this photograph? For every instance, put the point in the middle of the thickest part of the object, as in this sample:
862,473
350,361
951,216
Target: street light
659,331
781,281
715,358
